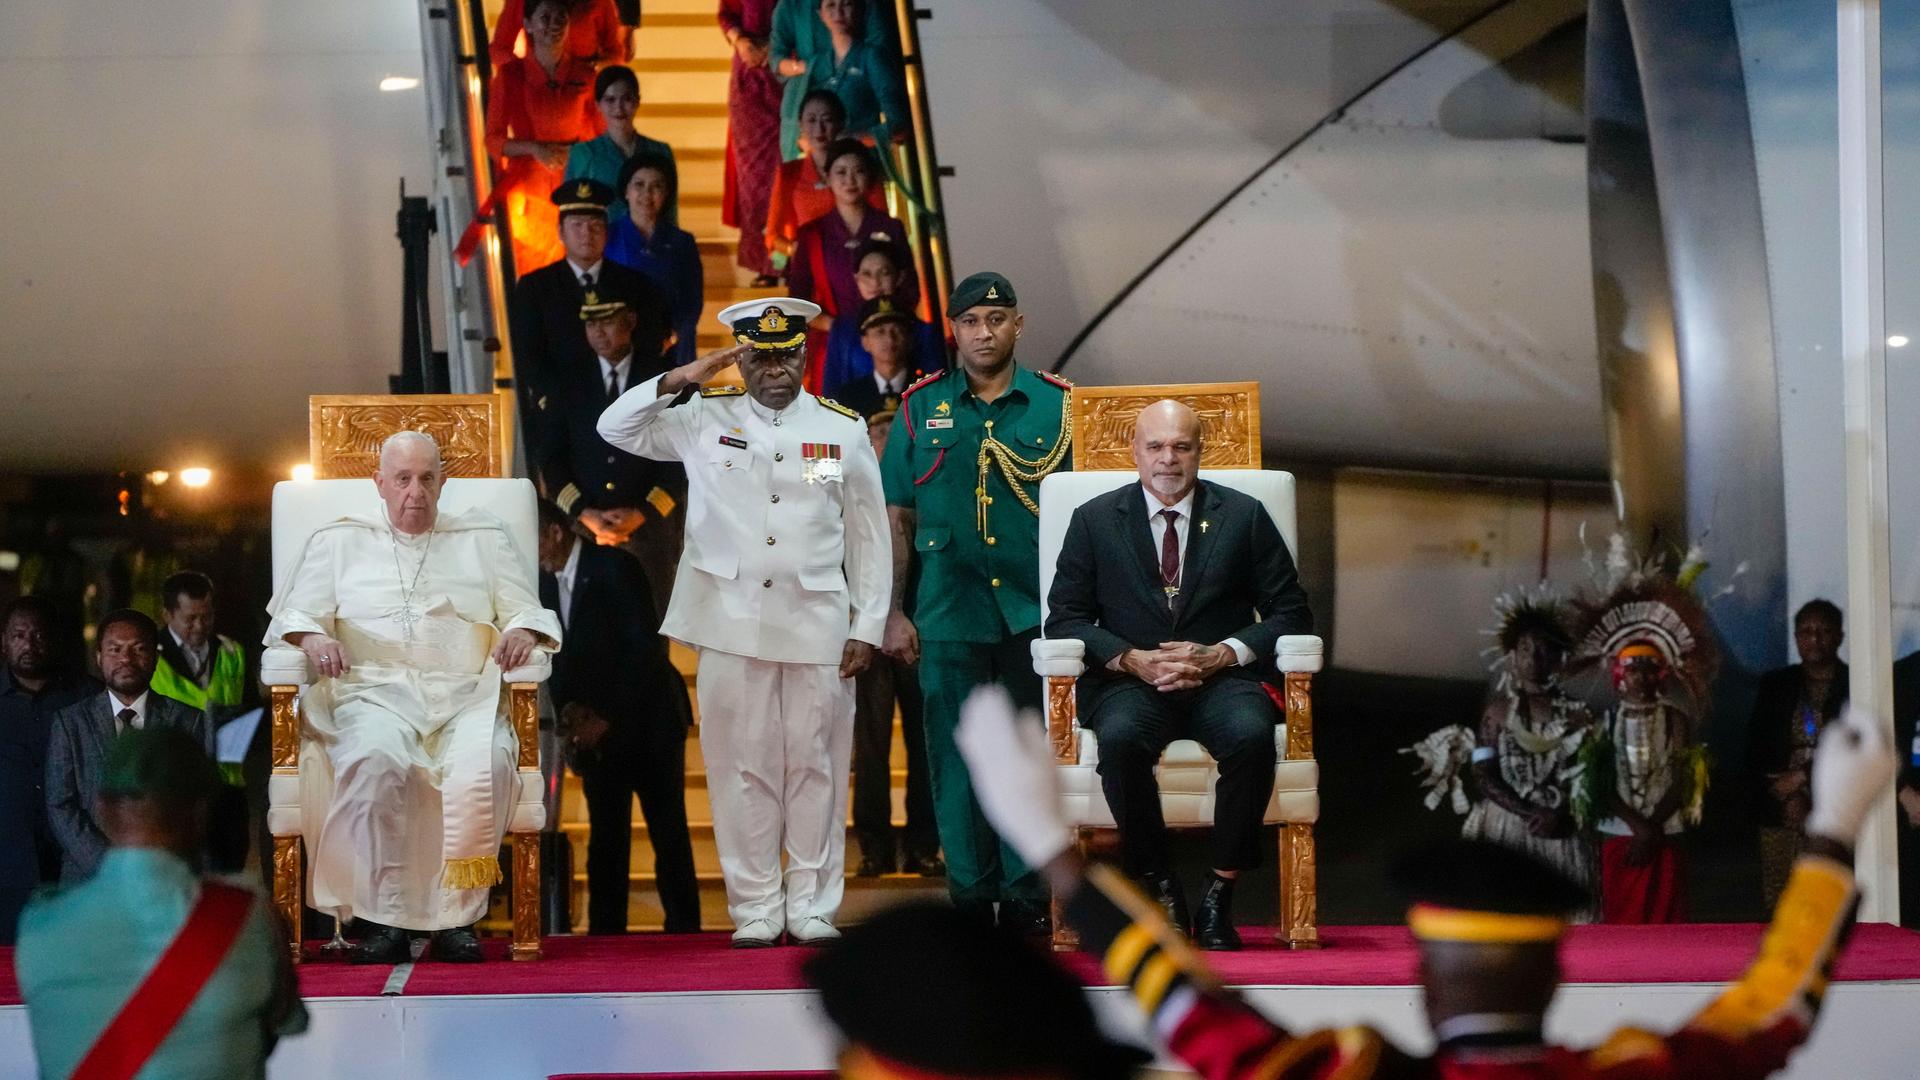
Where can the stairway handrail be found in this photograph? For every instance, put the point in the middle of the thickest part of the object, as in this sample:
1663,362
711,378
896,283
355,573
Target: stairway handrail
928,227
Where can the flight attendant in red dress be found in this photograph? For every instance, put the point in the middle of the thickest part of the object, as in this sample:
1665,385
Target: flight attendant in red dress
753,130
540,105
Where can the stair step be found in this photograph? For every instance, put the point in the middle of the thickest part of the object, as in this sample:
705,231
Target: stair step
679,110
663,20
686,86
648,64
863,897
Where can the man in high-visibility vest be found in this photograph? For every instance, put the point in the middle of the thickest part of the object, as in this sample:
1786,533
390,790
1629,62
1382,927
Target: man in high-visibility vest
197,667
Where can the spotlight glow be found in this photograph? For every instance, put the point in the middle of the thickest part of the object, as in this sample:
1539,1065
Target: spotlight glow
303,473
1897,341
158,477
398,82
196,477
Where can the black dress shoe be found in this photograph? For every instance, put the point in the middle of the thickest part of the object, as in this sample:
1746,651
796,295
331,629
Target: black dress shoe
456,946
923,863
1027,918
382,945
1214,928
1166,891
876,856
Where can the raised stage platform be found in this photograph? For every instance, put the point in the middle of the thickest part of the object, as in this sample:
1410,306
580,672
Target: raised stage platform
652,1003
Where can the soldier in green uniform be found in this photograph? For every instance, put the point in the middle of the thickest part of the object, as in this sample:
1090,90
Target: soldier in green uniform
962,472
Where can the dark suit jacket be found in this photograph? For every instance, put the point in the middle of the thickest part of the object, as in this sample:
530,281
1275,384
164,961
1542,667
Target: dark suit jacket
1238,581
577,458
76,764
862,394
1769,731
612,657
549,340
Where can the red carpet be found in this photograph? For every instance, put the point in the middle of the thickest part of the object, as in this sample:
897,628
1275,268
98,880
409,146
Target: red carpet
1354,956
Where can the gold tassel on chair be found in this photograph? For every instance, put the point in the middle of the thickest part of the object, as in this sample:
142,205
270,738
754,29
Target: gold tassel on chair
477,873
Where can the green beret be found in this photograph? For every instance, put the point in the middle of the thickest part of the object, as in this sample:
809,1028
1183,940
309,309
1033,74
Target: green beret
985,289
162,764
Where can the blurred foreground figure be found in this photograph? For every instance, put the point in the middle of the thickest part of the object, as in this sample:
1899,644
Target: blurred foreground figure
923,990
1488,920
147,969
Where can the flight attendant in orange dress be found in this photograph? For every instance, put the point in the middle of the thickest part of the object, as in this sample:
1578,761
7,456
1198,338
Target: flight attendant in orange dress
596,32
540,105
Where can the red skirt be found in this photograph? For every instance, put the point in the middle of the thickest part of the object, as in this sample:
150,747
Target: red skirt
1654,893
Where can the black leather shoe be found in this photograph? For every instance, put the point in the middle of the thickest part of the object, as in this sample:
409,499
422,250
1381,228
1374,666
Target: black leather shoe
382,945
1166,891
1027,918
923,863
1214,928
456,946
876,856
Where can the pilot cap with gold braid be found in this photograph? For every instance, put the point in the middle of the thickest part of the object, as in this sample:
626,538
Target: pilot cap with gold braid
583,196
1479,893
775,324
600,305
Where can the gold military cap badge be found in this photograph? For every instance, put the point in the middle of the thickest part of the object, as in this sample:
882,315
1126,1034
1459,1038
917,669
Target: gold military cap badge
993,292
773,321
584,191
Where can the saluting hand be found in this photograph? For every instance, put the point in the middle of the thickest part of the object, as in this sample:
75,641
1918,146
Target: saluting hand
698,371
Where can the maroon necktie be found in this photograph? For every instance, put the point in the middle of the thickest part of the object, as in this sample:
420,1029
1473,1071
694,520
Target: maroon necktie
1170,557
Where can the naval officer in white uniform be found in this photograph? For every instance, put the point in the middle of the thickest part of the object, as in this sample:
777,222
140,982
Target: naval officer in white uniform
783,587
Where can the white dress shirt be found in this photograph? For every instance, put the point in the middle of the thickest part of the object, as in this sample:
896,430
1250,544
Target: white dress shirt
894,386
610,370
564,579
580,272
1157,526
138,705
197,657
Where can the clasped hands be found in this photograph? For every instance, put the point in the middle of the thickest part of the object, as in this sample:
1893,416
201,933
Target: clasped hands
329,657
611,527
1176,665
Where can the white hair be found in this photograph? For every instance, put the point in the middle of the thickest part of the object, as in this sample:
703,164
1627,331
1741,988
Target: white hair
408,438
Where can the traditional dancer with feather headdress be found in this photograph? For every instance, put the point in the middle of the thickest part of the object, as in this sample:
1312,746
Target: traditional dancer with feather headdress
1524,761
1644,775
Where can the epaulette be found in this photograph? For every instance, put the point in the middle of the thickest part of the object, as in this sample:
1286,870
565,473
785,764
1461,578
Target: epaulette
722,391
839,408
1055,379
924,380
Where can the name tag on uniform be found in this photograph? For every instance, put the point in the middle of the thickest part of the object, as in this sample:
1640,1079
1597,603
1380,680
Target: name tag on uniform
939,422
728,440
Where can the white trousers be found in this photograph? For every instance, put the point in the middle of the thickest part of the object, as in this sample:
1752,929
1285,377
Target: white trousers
777,739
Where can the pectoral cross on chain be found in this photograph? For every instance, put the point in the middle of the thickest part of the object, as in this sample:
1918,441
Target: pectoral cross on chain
408,616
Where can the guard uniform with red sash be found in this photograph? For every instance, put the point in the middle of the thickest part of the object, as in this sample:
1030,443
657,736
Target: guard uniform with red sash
146,969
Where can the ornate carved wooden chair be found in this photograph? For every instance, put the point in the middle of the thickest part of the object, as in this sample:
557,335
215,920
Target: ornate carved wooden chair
346,433
1103,419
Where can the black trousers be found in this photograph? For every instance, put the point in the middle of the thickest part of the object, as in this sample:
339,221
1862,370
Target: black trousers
1232,718
875,692
650,762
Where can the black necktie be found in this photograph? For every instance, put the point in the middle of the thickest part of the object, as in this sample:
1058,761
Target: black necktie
613,387
586,280
126,718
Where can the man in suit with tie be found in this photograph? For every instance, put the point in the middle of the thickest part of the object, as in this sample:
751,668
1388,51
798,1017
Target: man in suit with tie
617,498
1181,590
544,313
623,710
83,732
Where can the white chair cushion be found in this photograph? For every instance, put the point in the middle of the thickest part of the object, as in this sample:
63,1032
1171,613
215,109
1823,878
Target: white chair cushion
301,506
535,670
530,811
1187,776
1300,652
284,665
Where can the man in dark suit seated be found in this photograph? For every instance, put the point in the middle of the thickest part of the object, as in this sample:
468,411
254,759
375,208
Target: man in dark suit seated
623,710
1181,590
544,312
85,731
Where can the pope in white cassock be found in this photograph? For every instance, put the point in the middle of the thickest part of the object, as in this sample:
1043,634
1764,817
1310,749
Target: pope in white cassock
783,587
408,766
